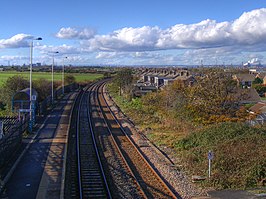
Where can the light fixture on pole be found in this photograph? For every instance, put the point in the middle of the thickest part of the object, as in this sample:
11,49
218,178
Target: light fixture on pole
31,104
53,76
63,76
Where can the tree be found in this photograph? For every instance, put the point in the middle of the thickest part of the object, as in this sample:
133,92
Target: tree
70,79
215,97
257,81
11,86
261,89
43,88
151,106
123,80
106,75
258,85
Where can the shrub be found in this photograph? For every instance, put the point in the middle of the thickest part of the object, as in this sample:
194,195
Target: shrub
239,154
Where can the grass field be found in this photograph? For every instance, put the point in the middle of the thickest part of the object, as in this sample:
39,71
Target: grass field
80,77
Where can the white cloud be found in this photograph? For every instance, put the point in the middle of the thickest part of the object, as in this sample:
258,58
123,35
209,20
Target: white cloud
136,58
209,40
249,29
126,39
106,55
13,57
17,41
73,33
62,49
205,34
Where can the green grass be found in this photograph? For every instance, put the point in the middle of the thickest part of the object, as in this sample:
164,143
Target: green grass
80,77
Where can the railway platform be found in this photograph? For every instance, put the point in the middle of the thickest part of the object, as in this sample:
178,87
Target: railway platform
40,171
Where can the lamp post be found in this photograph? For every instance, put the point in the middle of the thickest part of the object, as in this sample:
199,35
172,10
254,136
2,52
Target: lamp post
53,77
31,104
63,76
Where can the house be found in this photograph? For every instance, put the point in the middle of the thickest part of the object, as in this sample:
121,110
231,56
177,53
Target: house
253,71
259,110
264,80
164,77
149,77
248,96
261,75
161,77
159,81
244,80
259,107
141,89
187,80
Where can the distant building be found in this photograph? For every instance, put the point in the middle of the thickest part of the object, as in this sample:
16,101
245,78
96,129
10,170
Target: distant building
187,80
244,80
156,78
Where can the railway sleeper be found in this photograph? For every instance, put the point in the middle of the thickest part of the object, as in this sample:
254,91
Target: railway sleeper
87,179
96,196
93,184
93,175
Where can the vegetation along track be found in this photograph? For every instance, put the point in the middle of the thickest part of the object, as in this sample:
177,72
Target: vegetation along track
85,177
150,181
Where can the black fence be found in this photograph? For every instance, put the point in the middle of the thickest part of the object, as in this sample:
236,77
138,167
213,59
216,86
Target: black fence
8,122
12,138
14,128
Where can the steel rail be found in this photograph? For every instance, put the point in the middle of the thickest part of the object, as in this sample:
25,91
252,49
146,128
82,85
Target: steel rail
78,150
91,178
97,152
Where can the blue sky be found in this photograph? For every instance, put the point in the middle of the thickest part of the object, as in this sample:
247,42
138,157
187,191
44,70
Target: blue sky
120,32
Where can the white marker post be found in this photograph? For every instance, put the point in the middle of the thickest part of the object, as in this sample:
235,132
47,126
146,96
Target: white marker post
210,157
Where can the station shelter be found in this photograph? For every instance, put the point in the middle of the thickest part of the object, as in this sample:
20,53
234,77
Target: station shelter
21,104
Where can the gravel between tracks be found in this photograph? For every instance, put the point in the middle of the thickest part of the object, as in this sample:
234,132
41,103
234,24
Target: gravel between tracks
166,166
123,185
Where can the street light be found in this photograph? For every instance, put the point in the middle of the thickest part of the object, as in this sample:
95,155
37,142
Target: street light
53,76
31,52
63,76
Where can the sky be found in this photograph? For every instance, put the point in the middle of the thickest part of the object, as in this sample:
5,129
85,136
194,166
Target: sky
139,32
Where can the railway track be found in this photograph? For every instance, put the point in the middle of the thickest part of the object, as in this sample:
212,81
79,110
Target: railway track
87,179
123,173
131,175
148,180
